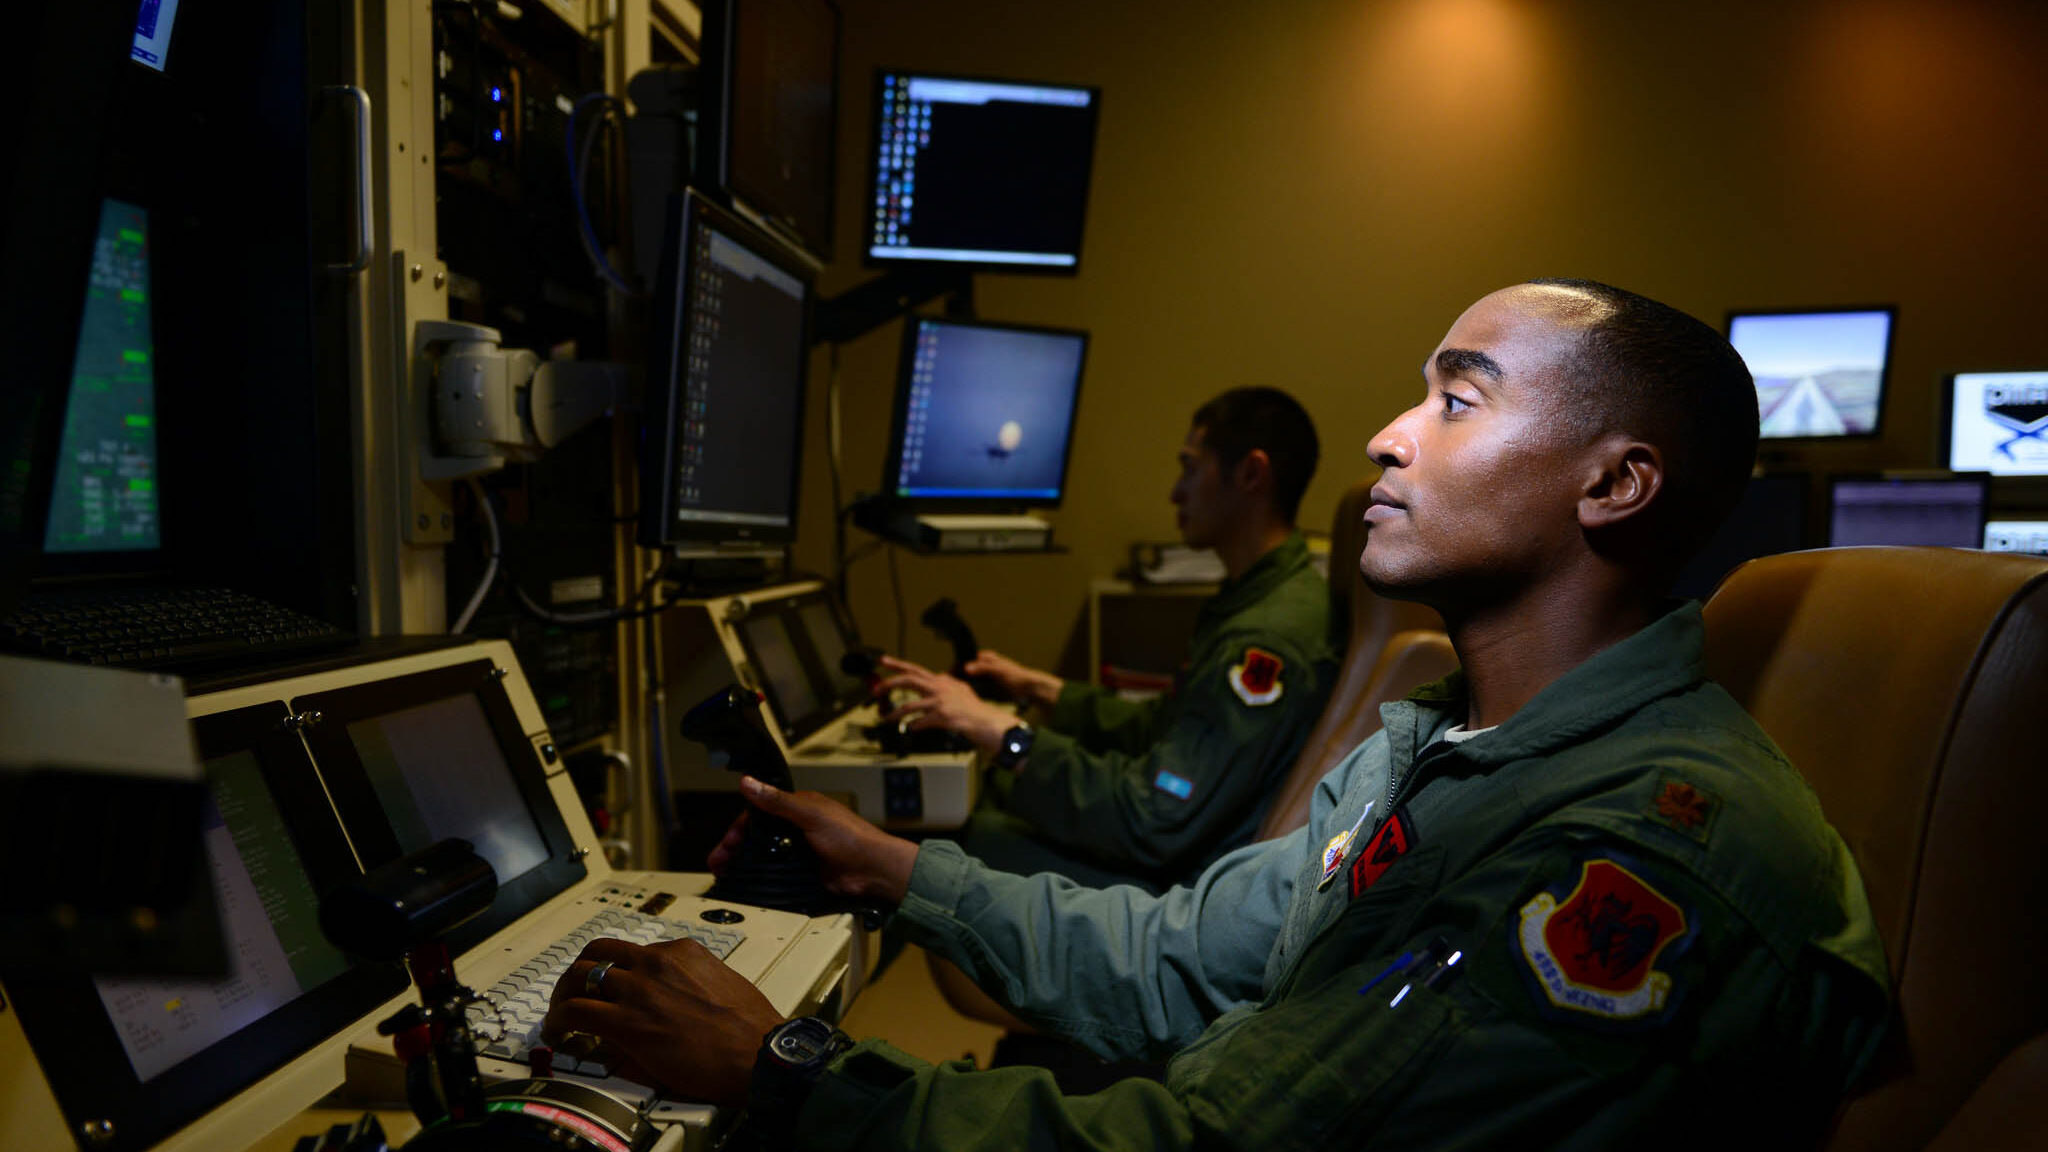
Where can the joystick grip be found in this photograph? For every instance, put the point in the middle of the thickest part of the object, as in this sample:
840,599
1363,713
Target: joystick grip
774,866
943,617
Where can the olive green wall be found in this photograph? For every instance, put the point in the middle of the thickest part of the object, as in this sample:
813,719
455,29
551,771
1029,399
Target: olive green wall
1306,194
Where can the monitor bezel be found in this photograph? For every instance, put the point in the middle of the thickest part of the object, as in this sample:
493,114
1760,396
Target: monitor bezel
874,175
713,144
376,842
1944,447
899,408
1825,530
658,527
75,1041
1884,374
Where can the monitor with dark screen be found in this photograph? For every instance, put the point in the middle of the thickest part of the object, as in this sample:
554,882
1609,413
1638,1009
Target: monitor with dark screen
1941,511
1819,373
1770,519
438,773
794,644
979,173
768,114
1996,422
984,414
2029,536
725,386
415,759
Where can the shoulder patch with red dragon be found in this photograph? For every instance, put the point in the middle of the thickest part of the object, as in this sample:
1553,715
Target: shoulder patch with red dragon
1595,949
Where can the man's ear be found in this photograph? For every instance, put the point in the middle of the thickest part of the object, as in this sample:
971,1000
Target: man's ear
1254,473
1626,478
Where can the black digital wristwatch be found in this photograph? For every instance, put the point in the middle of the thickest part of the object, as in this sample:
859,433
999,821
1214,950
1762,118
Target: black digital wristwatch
1015,747
792,1056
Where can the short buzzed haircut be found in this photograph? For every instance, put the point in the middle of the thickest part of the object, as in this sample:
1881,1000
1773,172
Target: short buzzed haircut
1649,370
1242,419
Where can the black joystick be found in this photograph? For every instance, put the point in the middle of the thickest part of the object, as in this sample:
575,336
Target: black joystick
943,617
774,866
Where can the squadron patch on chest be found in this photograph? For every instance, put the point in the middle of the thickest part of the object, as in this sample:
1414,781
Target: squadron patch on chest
1596,949
1256,677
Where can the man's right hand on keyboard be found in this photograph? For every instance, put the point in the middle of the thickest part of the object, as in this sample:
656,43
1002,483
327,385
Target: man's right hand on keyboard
672,1015
855,858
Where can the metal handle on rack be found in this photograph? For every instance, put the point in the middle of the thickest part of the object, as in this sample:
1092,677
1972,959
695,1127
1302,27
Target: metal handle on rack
360,100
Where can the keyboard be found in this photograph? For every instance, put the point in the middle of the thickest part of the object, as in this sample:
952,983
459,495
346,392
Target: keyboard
161,628
507,1021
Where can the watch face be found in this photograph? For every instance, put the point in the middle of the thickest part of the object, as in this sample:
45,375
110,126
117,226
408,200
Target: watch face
799,1045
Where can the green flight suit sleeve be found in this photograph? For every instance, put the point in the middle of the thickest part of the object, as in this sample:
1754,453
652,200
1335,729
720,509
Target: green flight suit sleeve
1123,973
1603,999
1101,720
1165,809
875,1096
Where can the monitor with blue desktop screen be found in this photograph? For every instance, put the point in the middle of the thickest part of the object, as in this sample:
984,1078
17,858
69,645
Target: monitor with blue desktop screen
984,414
1996,422
1820,373
1940,511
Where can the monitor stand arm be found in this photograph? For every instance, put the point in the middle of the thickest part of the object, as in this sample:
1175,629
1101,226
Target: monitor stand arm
897,292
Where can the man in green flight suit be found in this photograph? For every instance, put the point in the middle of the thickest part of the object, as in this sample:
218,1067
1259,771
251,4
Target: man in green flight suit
1109,791
1569,897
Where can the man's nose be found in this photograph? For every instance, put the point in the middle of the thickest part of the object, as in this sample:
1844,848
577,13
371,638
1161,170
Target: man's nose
1392,447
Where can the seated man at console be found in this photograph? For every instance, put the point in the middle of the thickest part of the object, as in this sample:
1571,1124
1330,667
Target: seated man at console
1106,790
1569,896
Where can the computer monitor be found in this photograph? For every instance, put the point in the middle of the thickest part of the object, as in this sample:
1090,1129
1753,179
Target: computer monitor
767,115
415,759
153,23
984,414
1820,373
2029,536
979,173
148,1055
725,386
1996,422
1771,518
1941,511
794,645
104,498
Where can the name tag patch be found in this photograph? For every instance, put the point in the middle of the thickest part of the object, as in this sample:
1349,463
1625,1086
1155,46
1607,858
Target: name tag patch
1256,677
1179,787
1595,950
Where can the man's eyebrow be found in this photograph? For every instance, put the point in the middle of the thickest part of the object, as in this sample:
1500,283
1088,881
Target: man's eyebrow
1466,362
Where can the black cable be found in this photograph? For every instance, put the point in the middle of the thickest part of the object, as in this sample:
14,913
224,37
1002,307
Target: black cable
902,617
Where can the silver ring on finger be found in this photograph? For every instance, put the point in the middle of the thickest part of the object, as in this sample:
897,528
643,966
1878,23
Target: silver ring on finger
593,980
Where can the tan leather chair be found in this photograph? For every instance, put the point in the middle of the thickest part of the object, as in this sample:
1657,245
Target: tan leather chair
1392,648
1910,687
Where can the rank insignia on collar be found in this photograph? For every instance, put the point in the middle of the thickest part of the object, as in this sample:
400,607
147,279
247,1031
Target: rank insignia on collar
1395,837
1684,807
1256,677
1596,950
